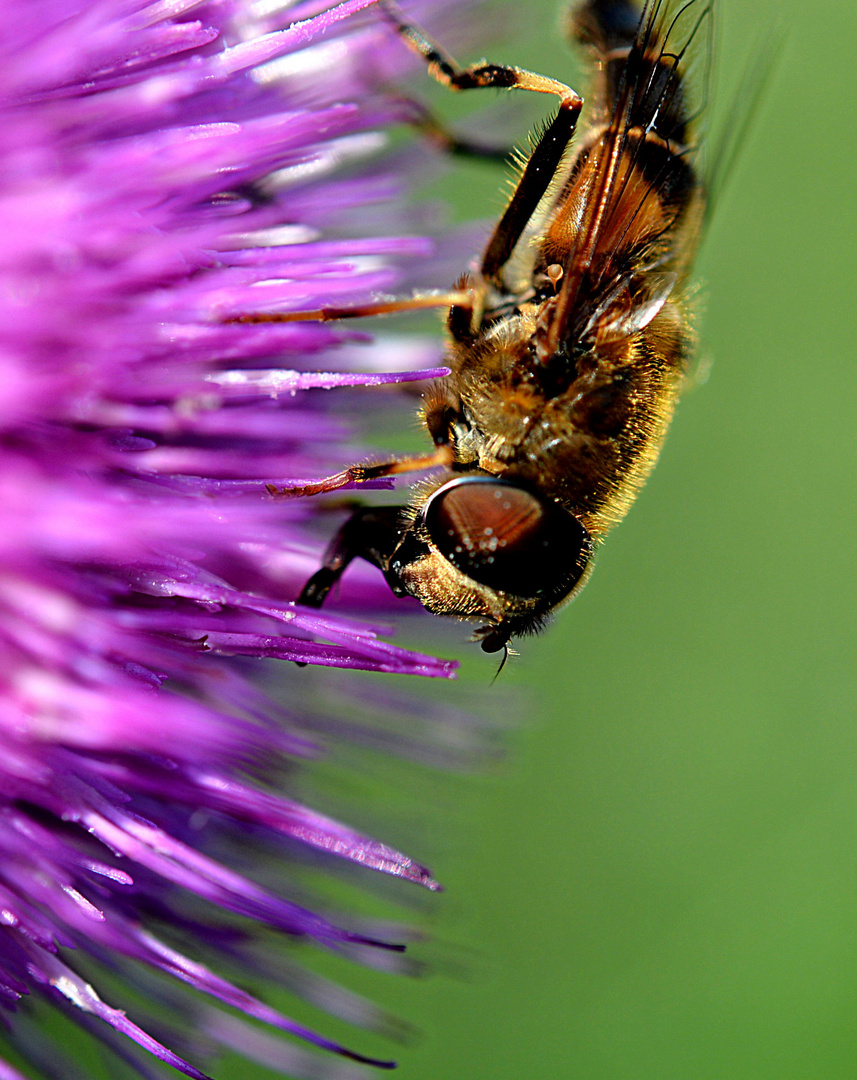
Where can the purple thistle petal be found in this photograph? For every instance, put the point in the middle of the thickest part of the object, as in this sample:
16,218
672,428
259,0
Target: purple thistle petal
278,382
167,166
8,1073
50,971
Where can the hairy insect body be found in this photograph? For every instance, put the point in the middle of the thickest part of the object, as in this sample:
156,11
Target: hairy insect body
586,429
567,346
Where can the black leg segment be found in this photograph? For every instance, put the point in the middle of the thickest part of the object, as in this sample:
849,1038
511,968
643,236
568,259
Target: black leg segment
545,158
371,533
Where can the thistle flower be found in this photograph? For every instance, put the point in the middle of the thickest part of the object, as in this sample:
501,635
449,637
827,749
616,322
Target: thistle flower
166,165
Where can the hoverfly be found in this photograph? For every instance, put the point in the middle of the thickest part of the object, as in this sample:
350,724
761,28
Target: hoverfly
567,345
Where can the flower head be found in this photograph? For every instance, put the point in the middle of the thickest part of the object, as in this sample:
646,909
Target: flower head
166,165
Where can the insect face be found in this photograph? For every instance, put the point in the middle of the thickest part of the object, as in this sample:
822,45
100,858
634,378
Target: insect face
567,346
488,548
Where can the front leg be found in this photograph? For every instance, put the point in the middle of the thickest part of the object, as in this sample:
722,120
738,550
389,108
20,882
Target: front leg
441,457
372,533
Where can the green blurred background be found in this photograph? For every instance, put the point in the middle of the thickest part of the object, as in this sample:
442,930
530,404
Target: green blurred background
662,882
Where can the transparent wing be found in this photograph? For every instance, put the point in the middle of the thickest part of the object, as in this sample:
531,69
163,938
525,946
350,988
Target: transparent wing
635,197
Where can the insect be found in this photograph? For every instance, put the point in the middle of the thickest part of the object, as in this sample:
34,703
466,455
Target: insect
567,344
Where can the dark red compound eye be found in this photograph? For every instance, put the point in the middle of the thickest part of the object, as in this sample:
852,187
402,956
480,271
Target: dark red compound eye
506,537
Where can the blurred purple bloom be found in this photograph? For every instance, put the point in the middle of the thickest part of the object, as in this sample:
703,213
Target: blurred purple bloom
166,165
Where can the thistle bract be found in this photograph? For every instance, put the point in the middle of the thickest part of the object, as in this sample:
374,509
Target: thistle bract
167,166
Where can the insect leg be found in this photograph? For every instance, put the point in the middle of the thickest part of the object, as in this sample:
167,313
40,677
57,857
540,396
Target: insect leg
448,73
446,140
371,533
546,157
534,181
361,311
442,456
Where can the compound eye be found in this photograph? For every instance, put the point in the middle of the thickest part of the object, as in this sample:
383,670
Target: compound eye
506,537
